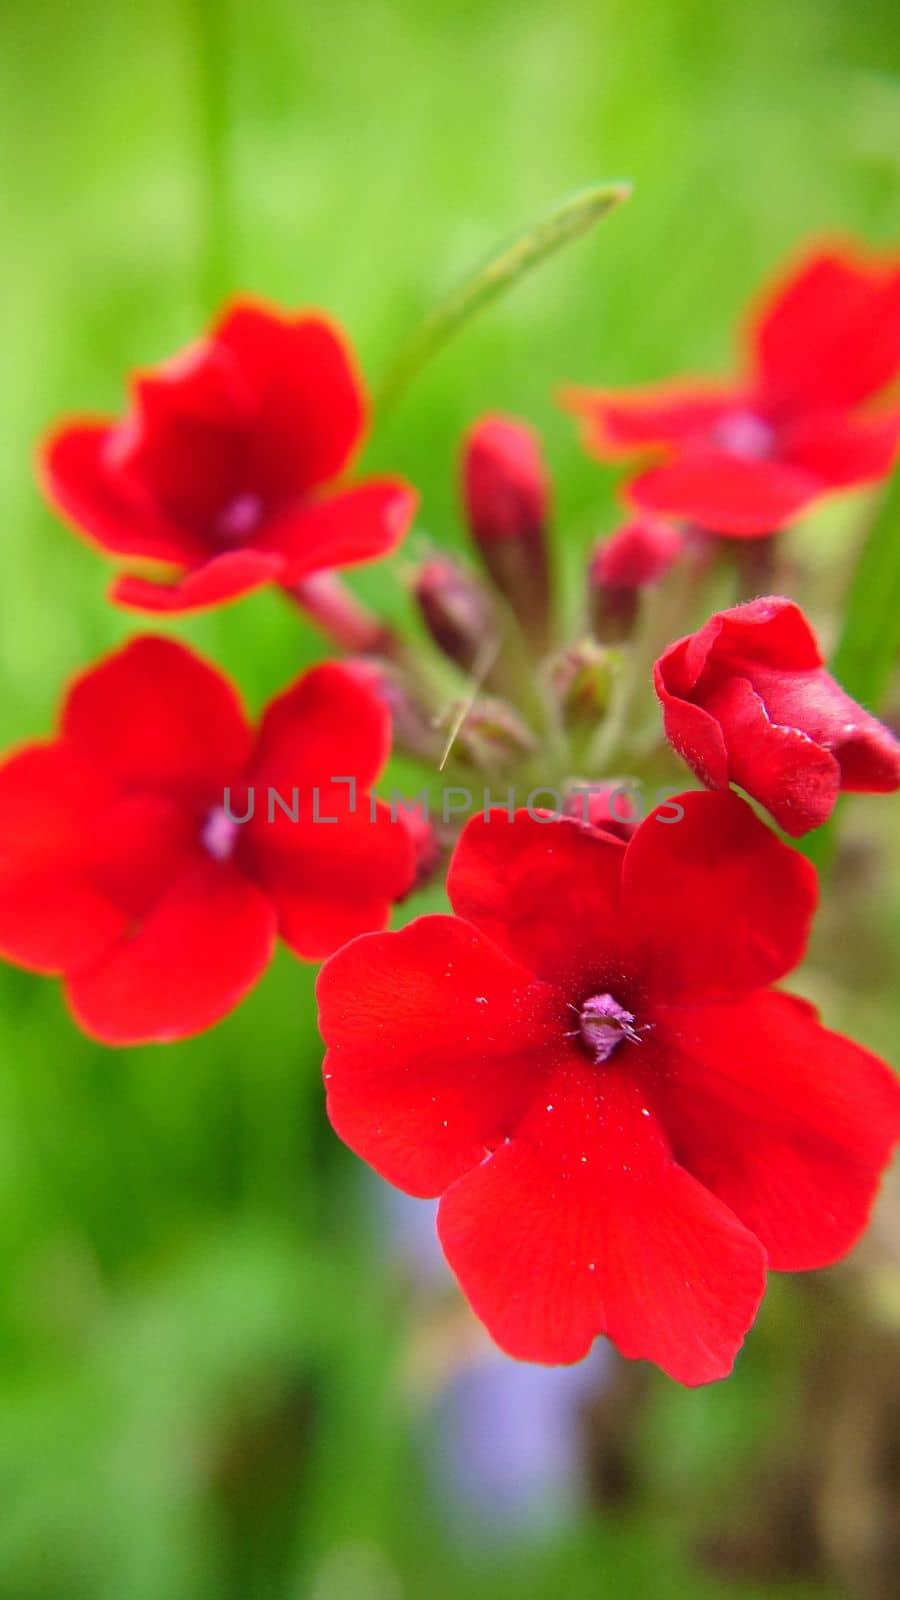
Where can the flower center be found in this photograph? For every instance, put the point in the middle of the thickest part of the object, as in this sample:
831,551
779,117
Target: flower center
219,834
745,435
603,1024
239,518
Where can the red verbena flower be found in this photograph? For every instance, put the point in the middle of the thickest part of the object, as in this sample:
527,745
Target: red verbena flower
747,700
229,466
744,457
124,867
625,1124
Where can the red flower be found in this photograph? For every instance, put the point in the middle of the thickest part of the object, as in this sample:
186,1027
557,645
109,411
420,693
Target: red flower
626,1126
747,700
122,864
742,458
228,466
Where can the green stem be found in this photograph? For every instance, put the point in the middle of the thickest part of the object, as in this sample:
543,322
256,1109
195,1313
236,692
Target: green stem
567,220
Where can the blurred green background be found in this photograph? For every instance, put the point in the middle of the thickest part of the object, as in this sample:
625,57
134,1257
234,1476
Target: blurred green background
211,1377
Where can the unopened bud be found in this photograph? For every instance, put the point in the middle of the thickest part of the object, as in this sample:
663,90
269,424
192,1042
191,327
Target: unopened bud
635,556
581,680
505,492
456,610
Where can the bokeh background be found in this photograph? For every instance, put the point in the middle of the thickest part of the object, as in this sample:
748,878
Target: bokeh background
230,1367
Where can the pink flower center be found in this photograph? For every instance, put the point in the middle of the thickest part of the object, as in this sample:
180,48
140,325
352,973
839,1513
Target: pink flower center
219,834
603,1024
239,518
745,435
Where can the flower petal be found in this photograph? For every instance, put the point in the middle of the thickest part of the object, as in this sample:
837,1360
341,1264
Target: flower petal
829,334
311,407
841,451
726,494
81,480
788,1123
200,951
796,779
354,525
437,1042
212,583
618,422
155,714
184,443
717,904
333,878
583,1224
327,725
547,892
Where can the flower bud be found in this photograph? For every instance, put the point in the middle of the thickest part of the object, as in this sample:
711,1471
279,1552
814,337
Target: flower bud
636,555
506,500
456,610
581,680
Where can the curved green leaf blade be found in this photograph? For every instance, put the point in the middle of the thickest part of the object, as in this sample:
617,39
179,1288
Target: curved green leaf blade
567,220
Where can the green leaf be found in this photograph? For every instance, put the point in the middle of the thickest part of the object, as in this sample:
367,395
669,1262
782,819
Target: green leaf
568,220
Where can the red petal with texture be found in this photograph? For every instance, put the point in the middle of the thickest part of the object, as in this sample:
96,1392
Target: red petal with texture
333,878
771,631
546,891
354,525
437,1043
583,1224
841,451
198,954
155,714
717,904
622,421
789,1124
311,408
739,498
80,480
213,583
796,779
689,729
829,335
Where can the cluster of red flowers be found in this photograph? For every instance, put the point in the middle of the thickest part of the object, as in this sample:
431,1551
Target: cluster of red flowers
626,1123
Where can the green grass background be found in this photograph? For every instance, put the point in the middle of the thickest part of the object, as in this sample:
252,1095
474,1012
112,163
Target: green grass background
199,1391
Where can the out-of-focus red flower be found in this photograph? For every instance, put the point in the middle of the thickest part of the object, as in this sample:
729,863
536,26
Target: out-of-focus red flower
506,499
229,466
625,1124
747,700
743,458
124,867
639,553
